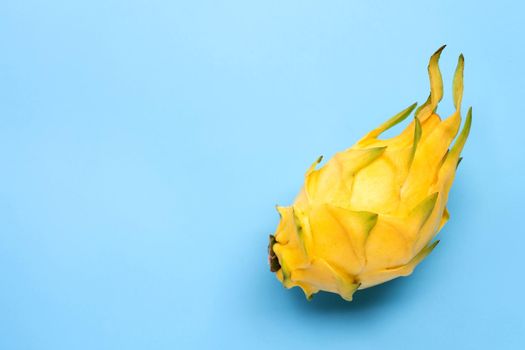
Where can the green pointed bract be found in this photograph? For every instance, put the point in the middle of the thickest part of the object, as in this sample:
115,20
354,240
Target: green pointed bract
425,108
462,138
398,118
314,165
371,212
355,160
368,220
459,162
436,88
422,255
457,85
427,159
417,137
420,214
297,222
447,171
409,268
436,82
358,224
346,286
390,273
349,228
302,229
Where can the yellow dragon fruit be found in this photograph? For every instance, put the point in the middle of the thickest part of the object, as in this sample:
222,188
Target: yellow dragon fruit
371,212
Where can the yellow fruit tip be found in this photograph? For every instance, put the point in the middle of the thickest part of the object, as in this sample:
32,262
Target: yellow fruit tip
438,51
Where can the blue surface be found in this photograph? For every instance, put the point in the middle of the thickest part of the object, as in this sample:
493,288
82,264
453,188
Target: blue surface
144,145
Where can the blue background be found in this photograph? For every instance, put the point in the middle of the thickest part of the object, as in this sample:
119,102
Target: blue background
144,145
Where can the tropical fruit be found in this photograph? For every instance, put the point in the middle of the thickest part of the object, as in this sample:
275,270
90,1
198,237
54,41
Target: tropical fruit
370,214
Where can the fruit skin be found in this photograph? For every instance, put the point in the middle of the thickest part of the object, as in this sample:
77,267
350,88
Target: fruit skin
370,213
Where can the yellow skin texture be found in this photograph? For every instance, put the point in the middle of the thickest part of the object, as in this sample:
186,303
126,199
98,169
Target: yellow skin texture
370,213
